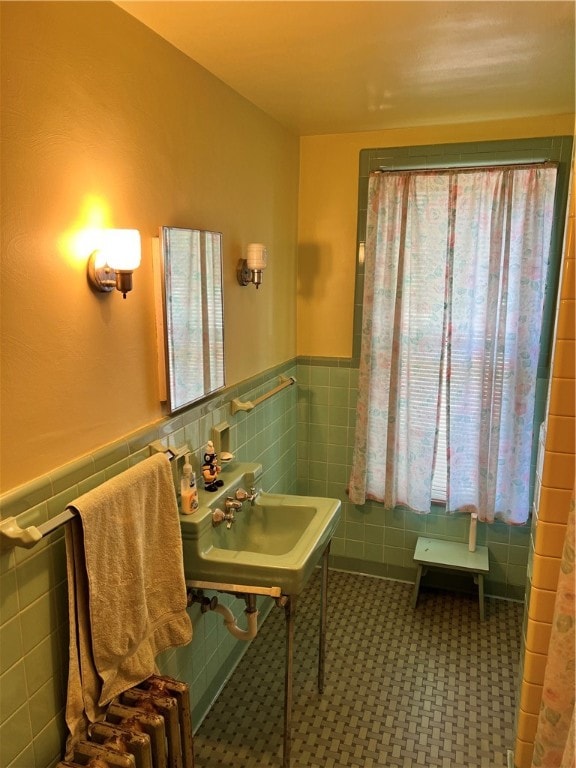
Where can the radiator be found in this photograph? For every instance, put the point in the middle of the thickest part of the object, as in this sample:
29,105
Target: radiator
148,726
168,686
137,742
85,751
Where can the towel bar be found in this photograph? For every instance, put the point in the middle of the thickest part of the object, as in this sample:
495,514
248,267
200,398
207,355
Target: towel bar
237,405
13,535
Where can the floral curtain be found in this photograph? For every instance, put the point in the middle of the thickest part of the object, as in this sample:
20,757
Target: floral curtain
555,734
455,264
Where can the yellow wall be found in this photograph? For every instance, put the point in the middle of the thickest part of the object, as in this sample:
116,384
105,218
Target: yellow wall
103,122
327,218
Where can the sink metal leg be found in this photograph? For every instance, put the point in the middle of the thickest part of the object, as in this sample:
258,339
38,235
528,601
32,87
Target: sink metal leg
323,613
290,615
289,612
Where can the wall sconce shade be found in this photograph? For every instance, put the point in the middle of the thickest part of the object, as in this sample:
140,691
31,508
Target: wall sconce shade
112,264
251,268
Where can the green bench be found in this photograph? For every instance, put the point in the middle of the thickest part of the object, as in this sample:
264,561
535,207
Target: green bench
453,555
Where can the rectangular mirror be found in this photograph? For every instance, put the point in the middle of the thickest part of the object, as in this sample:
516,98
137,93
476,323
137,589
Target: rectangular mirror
193,314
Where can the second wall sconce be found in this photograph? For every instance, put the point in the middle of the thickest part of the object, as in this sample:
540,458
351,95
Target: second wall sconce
251,268
111,265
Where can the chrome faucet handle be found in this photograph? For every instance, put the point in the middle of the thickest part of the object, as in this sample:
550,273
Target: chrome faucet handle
241,494
219,517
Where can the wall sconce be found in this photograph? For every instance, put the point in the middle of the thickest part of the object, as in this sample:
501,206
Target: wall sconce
111,265
251,268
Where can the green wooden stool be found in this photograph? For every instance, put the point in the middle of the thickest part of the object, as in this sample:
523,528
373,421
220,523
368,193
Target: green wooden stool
454,555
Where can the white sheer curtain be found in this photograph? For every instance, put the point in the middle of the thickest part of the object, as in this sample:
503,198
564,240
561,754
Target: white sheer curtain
455,263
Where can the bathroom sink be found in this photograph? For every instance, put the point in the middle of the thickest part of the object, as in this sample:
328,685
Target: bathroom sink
271,527
274,542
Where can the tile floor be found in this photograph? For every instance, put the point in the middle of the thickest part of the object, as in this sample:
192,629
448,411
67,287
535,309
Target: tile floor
425,687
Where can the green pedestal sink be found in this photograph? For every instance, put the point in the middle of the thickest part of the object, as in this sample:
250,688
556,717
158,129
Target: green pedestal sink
271,547
274,542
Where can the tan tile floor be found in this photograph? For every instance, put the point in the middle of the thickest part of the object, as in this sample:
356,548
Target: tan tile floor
426,687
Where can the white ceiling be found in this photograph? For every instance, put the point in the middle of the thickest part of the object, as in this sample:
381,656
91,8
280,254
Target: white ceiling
334,66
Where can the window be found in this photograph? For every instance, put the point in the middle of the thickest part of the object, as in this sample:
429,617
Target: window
453,367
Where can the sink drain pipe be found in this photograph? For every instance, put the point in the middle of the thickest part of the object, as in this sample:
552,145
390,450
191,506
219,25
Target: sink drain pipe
232,626
212,604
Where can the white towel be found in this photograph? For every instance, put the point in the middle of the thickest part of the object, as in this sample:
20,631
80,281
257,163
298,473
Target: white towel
127,593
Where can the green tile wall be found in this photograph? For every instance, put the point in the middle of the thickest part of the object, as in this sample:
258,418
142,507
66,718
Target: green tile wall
303,438
371,539
33,590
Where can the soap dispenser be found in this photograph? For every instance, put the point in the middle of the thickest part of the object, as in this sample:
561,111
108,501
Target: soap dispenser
188,492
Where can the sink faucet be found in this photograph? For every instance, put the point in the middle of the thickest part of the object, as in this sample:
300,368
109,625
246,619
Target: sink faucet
220,517
243,495
232,505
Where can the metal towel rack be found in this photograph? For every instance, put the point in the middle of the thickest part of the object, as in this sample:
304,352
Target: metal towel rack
237,405
13,535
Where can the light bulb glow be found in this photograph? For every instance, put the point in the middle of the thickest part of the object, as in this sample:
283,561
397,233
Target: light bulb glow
256,256
120,249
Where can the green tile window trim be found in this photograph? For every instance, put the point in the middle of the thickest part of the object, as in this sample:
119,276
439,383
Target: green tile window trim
554,148
314,414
